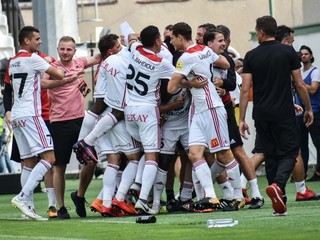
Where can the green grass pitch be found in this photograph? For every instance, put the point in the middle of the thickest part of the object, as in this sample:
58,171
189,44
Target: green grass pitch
302,222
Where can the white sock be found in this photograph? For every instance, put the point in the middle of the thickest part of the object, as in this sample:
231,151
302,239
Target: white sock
141,164
102,127
25,173
87,124
203,173
227,190
118,178
159,184
243,181
51,196
301,186
233,172
109,183
197,186
186,191
148,177
128,176
216,169
255,192
35,177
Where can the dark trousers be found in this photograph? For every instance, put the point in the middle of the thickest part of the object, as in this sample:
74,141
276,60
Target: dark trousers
304,139
280,144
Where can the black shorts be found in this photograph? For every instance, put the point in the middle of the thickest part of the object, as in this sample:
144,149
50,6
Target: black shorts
64,135
233,128
15,154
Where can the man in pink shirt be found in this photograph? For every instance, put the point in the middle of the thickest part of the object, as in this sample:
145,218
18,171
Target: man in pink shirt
66,114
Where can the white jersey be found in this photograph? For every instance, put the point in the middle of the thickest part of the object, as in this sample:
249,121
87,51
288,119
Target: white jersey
198,60
25,71
112,78
178,118
165,53
144,74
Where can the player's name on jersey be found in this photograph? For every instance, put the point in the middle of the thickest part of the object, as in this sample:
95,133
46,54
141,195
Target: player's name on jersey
206,55
15,64
136,118
144,64
176,112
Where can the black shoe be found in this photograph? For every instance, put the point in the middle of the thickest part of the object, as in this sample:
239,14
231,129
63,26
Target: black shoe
204,204
224,203
235,205
133,196
178,206
79,202
256,203
63,213
314,178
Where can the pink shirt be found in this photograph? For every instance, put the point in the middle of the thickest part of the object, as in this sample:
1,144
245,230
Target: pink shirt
67,102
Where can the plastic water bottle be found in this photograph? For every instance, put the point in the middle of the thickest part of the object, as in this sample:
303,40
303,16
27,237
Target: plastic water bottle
222,222
146,219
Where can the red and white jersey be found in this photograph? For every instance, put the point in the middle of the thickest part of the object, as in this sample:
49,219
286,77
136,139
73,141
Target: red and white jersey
143,76
165,53
112,77
25,71
178,118
198,60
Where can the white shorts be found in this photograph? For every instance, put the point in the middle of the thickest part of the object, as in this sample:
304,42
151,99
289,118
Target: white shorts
32,136
116,140
210,129
169,139
142,123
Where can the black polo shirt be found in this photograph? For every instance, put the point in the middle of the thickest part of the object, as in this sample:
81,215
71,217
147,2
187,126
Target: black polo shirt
271,64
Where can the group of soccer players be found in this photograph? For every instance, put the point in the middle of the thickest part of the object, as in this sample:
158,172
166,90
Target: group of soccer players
151,105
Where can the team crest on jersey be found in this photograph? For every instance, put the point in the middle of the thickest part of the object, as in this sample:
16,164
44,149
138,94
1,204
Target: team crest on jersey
214,143
179,65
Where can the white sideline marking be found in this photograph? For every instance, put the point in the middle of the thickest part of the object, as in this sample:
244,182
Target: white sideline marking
115,221
39,237
110,221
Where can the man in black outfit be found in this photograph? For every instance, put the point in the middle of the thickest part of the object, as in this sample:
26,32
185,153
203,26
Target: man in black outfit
269,68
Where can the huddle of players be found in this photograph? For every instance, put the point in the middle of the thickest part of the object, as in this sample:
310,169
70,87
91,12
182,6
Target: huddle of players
139,84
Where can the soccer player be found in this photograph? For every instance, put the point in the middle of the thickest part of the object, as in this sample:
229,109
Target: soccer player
145,71
32,135
208,127
108,45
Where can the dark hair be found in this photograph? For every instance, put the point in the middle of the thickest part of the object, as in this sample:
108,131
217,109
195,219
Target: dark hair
208,26
27,32
304,47
283,32
210,36
149,35
224,30
183,29
169,27
107,42
267,24
67,39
